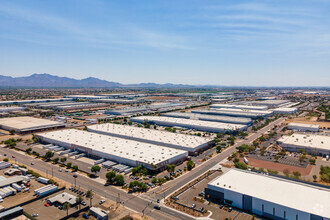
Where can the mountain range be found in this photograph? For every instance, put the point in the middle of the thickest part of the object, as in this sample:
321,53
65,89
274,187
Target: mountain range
50,81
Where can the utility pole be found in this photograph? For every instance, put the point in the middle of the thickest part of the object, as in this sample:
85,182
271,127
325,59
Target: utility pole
52,172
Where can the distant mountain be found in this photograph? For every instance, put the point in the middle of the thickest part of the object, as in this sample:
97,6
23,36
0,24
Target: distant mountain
47,80
50,81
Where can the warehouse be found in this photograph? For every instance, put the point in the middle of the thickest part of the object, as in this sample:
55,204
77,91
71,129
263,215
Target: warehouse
188,143
11,109
81,106
120,101
121,150
236,112
51,104
269,196
24,125
75,97
312,144
303,127
20,102
207,126
283,110
204,117
248,107
271,103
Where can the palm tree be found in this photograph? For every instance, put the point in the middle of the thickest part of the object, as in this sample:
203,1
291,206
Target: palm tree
79,199
89,194
66,206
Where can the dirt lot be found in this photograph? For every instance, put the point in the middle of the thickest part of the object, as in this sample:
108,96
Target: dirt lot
310,120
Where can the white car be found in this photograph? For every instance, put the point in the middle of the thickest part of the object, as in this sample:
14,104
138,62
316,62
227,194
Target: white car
35,215
102,201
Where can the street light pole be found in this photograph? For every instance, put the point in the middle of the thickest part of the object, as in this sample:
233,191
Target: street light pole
75,177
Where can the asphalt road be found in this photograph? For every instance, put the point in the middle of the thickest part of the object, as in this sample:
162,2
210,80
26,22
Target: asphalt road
137,203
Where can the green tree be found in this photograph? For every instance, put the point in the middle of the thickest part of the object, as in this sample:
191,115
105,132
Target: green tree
190,165
79,200
95,169
90,194
68,165
55,160
219,149
5,159
110,176
66,206
75,167
241,165
170,168
12,132
315,178
119,180
154,180
296,174
63,159
28,150
49,154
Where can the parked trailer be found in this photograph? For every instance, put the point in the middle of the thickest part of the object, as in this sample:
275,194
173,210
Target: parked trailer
14,191
73,153
108,164
99,161
4,165
128,170
65,152
246,160
45,190
42,180
47,146
17,187
53,147
58,149
79,155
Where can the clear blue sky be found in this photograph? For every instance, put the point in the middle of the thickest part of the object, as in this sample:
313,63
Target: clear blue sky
222,42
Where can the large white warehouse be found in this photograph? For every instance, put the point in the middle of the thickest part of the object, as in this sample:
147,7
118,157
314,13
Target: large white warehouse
207,126
270,197
188,143
312,144
303,127
204,117
121,150
248,107
236,112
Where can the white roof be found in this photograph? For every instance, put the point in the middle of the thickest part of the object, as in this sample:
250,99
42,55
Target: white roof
133,150
239,106
303,140
63,198
287,193
282,109
166,137
28,123
183,121
253,111
303,125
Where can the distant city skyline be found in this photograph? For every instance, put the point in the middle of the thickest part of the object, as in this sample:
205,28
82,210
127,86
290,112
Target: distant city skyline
230,43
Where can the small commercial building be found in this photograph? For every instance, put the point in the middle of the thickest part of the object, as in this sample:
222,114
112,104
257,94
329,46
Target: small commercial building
206,126
303,127
129,152
24,125
63,198
98,213
312,144
188,143
270,196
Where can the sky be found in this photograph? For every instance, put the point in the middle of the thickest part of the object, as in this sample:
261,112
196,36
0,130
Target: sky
204,42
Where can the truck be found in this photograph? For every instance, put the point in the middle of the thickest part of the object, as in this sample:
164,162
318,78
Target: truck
42,180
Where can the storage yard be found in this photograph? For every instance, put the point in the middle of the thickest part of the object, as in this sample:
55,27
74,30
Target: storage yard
205,117
24,125
207,126
188,143
121,150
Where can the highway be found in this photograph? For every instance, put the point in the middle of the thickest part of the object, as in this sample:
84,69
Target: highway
132,201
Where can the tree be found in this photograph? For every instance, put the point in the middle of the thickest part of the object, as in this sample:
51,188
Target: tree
296,174
66,206
79,200
63,159
75,167
170,168
312,161
95,169
154,180
241,165
12,132
110,176
119,180
55,160
144,187
219,149
236,160
49,154
90,194
68,165
286,172
28,150
190,165
315,178
5,159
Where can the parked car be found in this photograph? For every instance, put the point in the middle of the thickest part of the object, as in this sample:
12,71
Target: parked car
102,201
83,203
193,206
221,206
85,216
35,215
46,204
230,209
32,163
157,207
60,170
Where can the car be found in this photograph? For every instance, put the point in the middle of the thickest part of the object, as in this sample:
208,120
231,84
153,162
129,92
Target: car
66,170
193,206
102,201
158,200
13,156
32,163
56,204
85,216
5,155
60,207
230,209
60,170
201,209
81,193
46,204
35,215
221,206
83,203
157,207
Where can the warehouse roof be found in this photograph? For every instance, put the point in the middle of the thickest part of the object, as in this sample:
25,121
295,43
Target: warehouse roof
133,150
296,195
316,141
28,123
239,106
234,112
303,125
182,121
152,135
239,120
11,180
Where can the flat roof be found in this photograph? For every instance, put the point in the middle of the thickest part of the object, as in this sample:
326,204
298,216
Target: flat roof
166,137
190,122
307,140
133,150
295,195
28,123
11,180
234,112
303,125
260,107
240,120
63,198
